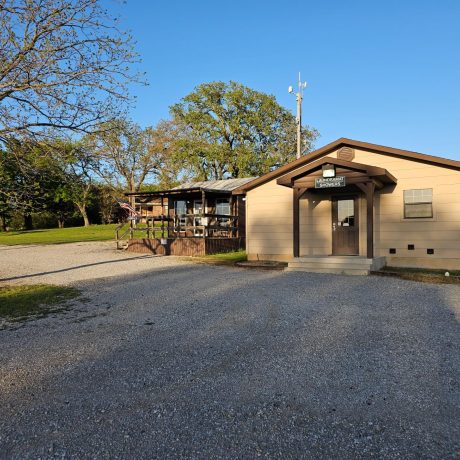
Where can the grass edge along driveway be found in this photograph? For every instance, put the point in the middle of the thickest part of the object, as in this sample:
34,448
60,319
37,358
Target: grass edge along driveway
59,235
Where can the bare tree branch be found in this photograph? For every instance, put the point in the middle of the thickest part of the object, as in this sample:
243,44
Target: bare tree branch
64,64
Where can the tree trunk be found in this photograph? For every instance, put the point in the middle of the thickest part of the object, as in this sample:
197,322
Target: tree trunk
61,223
28,224
132,189
84,214
4,223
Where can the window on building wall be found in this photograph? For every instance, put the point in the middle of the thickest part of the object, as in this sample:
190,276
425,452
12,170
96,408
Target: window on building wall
223,209
223,206
180,209
418,203
198,222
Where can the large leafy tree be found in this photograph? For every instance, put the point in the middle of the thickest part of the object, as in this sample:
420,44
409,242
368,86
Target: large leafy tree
21,181
123,158
164,142
75,165
231,130
64,65
8,174
30,181
129,157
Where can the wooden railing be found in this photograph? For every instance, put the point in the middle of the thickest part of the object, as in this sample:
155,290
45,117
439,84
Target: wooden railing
179,226
205,225
121,232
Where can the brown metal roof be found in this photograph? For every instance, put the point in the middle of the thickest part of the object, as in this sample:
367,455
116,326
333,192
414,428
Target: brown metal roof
227,185
421,157
217,186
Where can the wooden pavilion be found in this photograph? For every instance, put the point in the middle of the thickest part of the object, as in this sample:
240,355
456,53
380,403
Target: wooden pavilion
195,218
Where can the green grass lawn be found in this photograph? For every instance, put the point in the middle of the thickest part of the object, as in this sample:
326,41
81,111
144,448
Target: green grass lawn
59,235
37,299
426,271
224,258
427,275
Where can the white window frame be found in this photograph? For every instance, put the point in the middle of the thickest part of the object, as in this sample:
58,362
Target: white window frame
222,221
198,221
182,221
422,196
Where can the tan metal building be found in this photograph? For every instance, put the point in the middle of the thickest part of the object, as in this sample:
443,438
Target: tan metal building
352,206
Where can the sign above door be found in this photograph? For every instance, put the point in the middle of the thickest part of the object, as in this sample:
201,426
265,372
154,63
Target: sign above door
330,182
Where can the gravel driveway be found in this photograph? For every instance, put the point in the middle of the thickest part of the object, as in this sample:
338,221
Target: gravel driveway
167,359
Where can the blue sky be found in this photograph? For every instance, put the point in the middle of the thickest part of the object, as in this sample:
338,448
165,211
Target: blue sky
384,71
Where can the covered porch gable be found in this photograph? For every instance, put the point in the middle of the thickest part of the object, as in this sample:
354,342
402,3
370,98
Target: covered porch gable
355,173
339,177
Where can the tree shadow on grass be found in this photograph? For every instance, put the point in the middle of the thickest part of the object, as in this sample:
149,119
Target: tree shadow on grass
23,232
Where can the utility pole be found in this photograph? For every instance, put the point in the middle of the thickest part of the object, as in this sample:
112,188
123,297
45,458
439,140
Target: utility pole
299,98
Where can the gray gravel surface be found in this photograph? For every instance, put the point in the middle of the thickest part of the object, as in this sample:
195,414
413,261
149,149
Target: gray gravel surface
167,359
71,263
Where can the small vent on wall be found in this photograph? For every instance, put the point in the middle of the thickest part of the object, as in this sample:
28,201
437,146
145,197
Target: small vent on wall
392,251
430,251
410,247
346,153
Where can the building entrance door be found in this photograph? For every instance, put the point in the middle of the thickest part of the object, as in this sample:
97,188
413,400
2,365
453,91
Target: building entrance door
345,228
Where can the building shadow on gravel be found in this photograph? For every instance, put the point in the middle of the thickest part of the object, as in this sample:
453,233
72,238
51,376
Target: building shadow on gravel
77,267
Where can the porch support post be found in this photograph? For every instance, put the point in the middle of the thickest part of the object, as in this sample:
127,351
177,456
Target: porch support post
172,222
295,221
237,214
203,211
162,219
297,193
232,220
369,189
